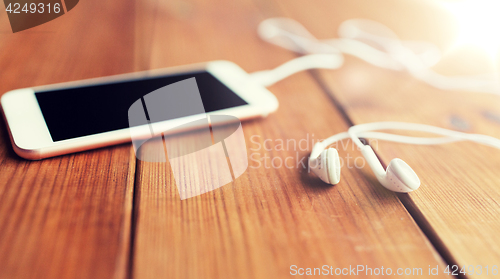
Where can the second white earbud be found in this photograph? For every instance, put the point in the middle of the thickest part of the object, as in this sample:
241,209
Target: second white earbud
398,177
326,166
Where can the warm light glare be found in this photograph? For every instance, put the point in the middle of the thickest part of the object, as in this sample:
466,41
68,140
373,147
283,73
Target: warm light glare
479,23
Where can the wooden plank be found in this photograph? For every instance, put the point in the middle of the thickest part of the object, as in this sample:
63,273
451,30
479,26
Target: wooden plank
271,217
70,216
458,203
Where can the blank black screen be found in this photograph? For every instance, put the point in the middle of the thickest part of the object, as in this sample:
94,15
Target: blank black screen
83,111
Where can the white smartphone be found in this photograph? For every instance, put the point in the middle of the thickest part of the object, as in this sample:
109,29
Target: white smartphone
58,119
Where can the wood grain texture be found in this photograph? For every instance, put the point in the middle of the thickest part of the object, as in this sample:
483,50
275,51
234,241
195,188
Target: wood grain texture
458,203
70,216
271,217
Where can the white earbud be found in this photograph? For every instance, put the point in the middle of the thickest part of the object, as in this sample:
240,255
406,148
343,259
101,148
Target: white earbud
327,166
399,176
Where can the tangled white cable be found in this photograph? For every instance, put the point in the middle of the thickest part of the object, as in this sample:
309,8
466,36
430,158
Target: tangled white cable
370,41
379,46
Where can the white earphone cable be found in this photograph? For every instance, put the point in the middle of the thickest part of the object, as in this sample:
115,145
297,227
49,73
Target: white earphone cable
366,131
312,61
354,131
370,41
380,46
382,136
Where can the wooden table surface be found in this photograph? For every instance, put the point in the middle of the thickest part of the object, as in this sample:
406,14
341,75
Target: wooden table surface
103,214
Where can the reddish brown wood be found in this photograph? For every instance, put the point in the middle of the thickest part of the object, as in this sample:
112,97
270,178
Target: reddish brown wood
70,216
